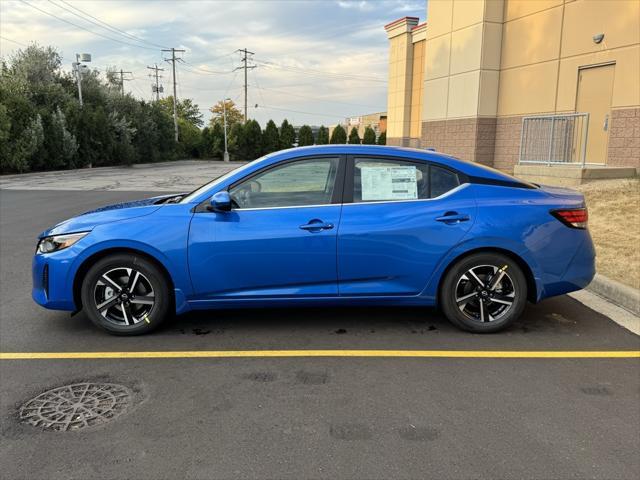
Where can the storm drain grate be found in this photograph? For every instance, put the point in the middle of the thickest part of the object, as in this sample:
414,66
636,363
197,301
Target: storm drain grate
76,406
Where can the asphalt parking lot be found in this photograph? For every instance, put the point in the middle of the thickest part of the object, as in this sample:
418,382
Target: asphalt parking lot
309,417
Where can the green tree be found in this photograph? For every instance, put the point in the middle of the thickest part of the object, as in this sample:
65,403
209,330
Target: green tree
305,136
236,145
186,110
338,135
233,114
217,142
271,138
354,138
253,140
323,136
382,138
369,137
287,134
61,143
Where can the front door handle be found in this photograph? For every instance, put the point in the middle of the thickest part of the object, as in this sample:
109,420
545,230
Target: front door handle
316,225
452,218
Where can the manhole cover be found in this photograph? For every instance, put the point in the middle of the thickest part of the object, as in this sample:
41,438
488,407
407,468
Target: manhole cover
76,406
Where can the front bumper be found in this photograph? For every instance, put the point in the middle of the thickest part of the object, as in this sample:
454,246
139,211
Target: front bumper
51,288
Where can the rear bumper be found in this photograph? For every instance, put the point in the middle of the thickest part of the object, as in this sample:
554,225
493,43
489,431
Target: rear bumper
579,272
50,288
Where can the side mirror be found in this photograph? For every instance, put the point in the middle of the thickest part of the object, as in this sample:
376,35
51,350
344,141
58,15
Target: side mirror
220,202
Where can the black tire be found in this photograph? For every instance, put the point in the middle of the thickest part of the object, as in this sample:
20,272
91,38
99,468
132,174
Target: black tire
485,310
131,311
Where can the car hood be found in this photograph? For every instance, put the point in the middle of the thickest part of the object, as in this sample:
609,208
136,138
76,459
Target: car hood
107,214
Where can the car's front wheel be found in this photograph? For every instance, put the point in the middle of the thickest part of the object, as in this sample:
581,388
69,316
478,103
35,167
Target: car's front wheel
125,294
484,292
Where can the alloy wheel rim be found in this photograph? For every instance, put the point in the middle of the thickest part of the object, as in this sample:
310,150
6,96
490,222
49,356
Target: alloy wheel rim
485,293
124,296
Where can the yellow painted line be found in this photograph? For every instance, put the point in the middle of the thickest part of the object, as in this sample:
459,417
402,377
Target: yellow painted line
321,353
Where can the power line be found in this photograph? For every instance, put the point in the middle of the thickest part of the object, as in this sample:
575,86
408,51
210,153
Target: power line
269,107
105,25
13,41
202,71
315,98
314,72
83,28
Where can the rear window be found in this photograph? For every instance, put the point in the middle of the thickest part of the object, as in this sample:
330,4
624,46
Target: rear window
382,179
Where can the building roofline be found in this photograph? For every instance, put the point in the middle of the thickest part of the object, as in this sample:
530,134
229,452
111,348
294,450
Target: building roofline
400,20
422,25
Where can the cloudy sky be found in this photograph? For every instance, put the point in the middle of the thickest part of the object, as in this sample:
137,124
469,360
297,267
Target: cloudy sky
317,61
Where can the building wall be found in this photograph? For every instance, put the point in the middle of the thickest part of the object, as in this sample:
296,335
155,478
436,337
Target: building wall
400,80
545,44
462,63
488,63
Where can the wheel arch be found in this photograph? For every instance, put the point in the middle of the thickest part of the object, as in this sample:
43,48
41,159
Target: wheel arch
86,264
532,293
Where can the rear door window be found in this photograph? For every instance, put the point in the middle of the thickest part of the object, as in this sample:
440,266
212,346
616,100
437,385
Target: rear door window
380,180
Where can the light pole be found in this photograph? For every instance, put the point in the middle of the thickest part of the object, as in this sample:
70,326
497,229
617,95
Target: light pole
224,116
78,67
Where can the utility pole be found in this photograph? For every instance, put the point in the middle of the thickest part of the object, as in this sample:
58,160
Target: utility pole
156,88
78,67
175,95
246,67
122,80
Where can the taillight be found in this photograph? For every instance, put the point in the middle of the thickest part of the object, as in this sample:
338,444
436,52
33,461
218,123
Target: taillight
574,218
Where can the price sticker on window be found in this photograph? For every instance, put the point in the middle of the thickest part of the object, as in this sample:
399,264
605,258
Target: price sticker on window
389,183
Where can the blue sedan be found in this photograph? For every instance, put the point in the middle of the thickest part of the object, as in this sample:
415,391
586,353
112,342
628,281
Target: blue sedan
338,225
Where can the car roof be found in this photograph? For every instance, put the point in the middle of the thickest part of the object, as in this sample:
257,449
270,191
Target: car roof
468,168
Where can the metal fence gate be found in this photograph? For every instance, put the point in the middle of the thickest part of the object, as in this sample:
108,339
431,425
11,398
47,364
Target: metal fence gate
554,139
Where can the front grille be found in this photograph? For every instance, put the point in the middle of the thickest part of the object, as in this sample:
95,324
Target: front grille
45,280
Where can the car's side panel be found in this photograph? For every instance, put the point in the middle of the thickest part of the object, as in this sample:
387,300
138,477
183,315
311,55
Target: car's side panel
392,248
162,236
518,221
264,253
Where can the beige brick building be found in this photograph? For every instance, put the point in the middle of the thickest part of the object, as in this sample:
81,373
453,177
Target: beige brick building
466,82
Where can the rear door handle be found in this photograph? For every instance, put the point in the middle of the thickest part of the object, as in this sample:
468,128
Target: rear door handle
316,225
452,218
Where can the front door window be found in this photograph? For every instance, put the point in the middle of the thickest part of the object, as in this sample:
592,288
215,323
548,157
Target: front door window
293,184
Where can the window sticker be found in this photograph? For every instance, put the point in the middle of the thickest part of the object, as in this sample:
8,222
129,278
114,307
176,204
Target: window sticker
389,183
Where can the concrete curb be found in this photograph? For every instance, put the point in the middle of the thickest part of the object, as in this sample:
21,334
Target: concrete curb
622,295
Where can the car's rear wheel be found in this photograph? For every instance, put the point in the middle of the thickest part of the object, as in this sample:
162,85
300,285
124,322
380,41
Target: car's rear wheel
125,295
484,292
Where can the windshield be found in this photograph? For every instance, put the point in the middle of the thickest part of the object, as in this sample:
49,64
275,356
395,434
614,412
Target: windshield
200,190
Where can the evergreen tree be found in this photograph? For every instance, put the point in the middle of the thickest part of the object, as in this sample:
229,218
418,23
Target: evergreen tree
271,138
305,136
354,138
287,134
217,142
253,140
382,139
235,142
369,137
338,135
323,136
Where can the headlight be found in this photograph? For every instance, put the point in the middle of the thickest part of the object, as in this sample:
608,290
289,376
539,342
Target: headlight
58,242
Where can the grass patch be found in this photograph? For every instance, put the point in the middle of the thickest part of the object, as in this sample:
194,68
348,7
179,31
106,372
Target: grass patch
614,222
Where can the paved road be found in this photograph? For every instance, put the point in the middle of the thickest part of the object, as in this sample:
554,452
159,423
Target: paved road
314,417
181,176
